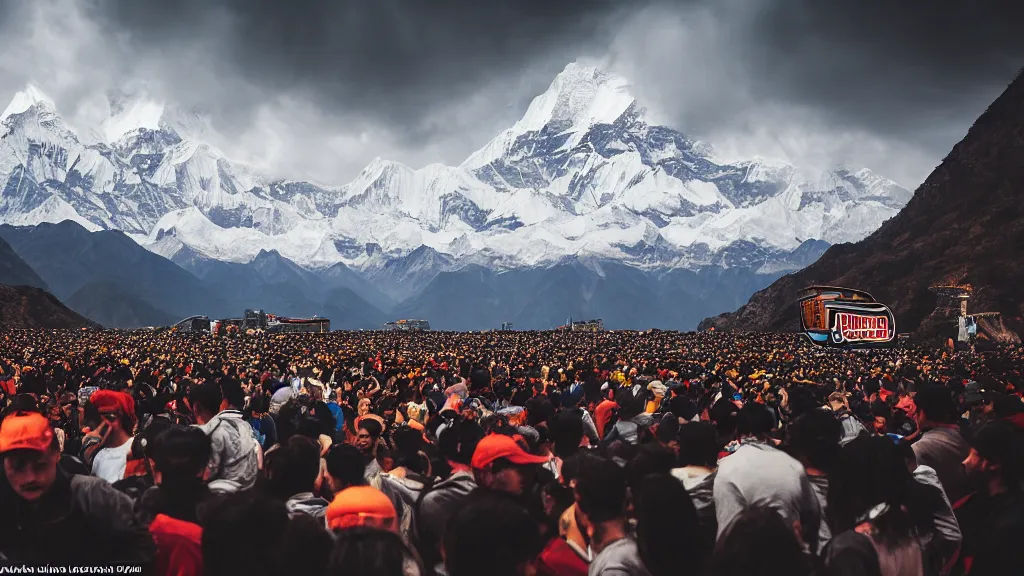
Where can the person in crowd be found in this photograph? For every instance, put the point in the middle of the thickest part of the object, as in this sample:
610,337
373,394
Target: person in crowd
601,497
698,460
668,531
372,552
293,474
49,517
179,459
876,512
237,534
499,463
758,473
759,543
992,517
235,455
814,440
485,518
941,446
109,454
941,543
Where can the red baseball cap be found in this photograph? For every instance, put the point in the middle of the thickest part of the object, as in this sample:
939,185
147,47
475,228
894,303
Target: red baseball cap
25,431
497,446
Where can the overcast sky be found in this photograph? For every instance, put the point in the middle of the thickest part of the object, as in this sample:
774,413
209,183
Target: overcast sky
317,89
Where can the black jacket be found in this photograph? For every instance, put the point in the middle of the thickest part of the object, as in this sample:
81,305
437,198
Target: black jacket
82,520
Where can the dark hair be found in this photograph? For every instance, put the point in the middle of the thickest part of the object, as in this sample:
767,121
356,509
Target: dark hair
232,391
753,420
566,430
180,454
490,535
207,396
650,459
815,437
758,542
345,464
601,490
668,534
458,441
698,445
305,547
227,535
293,467
370,551
936,402
1001,442
371,426
869,471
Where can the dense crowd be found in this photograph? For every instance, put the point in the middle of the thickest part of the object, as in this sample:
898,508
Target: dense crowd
518,453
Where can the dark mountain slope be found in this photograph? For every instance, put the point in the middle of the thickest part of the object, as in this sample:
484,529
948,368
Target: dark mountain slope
965,224
16,272
111,305
68,257
31,307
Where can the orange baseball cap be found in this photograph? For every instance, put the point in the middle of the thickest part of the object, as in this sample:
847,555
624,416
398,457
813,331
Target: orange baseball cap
361,506
497,446
25,431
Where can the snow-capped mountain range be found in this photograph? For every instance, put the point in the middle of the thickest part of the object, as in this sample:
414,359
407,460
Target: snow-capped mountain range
580,175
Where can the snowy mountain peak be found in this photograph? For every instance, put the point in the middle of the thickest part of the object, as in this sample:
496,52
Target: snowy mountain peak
581,96
131,115
578,98
26,99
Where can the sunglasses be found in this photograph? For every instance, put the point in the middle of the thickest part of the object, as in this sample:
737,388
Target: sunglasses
109,416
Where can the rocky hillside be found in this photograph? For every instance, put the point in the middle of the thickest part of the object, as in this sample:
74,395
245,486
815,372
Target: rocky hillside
965,224
30,307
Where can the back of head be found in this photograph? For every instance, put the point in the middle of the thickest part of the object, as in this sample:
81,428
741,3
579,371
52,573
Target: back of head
757,543
566,430
871,471
206,396
180,454
936,402
489,535
651,458
815,436
753,420
345,464
667,528
228,535
371,552
294,467
698,445
601,490
231,390
458,441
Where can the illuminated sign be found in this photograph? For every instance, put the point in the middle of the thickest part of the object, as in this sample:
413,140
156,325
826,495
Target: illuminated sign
845,318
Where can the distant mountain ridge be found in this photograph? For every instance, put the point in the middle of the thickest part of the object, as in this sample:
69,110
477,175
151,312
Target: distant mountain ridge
965,225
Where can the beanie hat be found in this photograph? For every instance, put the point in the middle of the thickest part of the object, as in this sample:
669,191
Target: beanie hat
361,506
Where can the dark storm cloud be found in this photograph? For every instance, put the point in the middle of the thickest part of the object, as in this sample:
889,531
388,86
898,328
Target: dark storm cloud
390,59
885,62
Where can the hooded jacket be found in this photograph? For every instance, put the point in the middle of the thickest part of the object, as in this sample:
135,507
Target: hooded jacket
81,520
234,459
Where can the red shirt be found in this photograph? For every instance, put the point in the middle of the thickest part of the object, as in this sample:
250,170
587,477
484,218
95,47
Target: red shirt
602,414
179,549
559,559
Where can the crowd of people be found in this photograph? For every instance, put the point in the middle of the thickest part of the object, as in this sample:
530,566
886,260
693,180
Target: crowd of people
508,453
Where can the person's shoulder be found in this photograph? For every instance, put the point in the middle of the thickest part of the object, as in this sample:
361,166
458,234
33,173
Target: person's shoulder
92,492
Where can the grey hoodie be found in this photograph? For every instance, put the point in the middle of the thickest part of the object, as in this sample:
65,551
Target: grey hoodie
234,456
